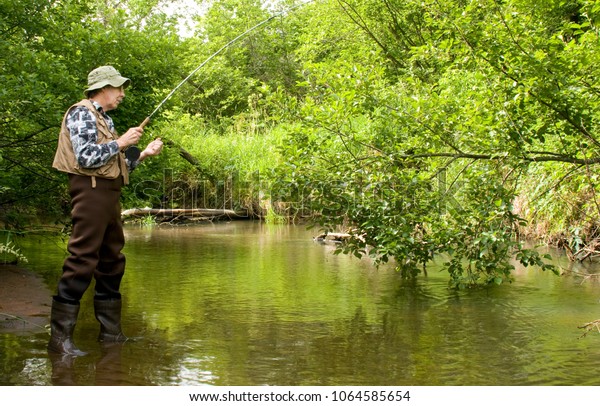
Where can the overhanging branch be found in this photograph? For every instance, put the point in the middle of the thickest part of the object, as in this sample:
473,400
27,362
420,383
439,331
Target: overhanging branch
528,157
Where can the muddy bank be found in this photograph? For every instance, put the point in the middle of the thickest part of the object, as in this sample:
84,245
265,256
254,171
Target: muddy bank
25,301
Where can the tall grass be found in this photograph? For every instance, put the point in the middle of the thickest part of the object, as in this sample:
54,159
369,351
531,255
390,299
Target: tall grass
242,154
235,149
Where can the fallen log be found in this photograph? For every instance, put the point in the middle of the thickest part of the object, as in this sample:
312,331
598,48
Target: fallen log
208,213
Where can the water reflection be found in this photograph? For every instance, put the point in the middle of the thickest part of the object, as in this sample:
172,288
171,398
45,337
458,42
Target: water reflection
62,369
249,304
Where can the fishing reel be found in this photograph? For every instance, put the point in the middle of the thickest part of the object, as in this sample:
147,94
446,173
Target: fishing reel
132,153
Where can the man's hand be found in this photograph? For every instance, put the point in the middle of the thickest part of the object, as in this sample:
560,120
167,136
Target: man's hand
152,149
131,137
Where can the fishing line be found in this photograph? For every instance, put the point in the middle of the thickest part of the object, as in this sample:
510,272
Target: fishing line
224,47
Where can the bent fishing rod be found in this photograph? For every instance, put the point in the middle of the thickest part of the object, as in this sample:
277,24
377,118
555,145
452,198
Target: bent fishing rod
224,47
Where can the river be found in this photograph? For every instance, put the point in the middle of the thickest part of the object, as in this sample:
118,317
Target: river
244,303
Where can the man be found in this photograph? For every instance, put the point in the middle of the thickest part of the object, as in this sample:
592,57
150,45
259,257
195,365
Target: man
93,155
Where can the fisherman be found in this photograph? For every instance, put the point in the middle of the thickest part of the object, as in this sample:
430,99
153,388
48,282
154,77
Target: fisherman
95,159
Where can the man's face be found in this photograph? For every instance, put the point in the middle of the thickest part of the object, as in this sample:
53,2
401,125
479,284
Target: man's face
112,96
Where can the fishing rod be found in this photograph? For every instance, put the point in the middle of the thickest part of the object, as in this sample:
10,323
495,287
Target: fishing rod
224,47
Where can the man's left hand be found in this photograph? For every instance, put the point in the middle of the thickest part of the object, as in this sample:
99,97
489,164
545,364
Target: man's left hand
152,149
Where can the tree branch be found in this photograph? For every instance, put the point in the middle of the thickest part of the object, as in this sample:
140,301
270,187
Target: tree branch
527,157
355,17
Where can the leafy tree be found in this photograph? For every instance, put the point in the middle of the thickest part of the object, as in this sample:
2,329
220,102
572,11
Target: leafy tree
478,93
264,57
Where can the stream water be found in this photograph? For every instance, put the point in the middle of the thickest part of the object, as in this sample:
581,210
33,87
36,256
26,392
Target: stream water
244,303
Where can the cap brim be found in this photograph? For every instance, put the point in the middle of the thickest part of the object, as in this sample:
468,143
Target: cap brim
115,82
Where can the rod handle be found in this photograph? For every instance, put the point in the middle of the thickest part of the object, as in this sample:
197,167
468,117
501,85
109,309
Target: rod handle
145,122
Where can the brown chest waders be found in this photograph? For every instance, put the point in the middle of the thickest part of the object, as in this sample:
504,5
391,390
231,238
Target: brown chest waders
96,240
95,247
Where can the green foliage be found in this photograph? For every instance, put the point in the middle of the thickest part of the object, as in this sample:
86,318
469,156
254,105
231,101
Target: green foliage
9,251
424,128
263,57
472,99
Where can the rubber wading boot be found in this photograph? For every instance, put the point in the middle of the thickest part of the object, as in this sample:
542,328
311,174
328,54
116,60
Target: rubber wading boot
63,318
108,313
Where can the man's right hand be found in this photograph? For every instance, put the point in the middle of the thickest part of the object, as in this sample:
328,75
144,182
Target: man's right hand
131,137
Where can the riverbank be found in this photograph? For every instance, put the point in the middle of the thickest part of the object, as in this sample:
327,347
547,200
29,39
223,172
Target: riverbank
25,300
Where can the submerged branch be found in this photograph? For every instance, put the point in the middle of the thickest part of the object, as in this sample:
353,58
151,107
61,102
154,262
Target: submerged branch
12,316
592,325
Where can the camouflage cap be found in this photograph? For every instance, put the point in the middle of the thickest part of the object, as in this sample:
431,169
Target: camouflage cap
105,76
